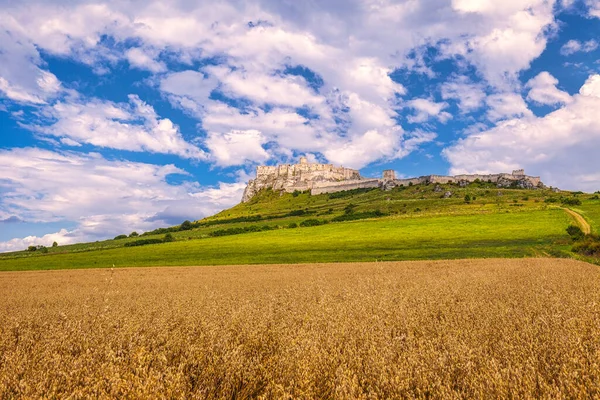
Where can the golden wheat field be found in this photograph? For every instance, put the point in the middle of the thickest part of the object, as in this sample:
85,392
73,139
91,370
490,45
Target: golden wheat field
478,328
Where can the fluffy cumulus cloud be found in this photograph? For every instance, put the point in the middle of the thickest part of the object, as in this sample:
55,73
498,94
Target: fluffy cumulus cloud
104,197
351,52
134,126
469,95
562,144
543,90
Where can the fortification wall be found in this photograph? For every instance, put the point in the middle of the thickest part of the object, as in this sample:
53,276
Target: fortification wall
327,178
333,187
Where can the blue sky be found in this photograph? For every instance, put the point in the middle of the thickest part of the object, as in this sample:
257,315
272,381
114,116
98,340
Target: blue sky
120,116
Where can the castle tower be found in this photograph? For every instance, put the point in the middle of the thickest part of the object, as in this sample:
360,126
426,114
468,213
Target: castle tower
303,160
389,175
518,172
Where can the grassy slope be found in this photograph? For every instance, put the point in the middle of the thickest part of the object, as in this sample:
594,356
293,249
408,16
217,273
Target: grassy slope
420,225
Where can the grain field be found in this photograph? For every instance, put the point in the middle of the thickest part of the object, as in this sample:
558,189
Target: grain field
453,329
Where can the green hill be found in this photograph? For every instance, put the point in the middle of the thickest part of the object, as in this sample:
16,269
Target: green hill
414,222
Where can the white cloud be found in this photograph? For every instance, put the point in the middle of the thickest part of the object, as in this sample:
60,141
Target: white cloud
144,59
427,109
594,7
506,105
575,46
543,90
134,126
237,147
561,146
290,91
63,237
470,96
105,198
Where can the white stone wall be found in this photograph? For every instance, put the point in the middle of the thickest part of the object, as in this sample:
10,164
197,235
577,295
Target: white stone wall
327,178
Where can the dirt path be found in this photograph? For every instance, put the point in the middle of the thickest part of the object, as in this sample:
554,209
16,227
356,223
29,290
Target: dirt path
583,224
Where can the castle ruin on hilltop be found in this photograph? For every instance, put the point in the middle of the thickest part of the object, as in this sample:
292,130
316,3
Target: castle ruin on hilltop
327,178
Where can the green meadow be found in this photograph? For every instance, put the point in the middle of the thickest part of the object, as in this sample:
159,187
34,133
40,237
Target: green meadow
412,223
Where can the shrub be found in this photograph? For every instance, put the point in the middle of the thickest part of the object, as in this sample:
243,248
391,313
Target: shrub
357,216
168,238
349,209
296,213
296,193
595,197
185,226
292,225
41,249
590,246
240,230
120,237
551,200
54,244
467,198
575,232
312,222
133,234
143,242
571,202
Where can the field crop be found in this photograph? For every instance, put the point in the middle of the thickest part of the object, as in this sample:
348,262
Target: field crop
491,328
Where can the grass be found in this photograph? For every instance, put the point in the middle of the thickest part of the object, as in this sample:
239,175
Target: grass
514,234
417,222
437,329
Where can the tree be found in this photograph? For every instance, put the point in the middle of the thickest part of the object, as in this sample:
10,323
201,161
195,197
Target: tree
185,226
134,234
467,198
168,238
54,244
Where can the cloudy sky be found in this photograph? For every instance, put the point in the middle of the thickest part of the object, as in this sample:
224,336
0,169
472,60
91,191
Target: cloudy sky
129,115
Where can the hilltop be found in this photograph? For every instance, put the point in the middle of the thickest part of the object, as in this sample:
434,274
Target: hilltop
320,178
418,221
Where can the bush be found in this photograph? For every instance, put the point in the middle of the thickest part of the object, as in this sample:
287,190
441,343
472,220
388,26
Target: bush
571,202
120,237
551,200
292,225
296,193
467,198
349,209
133,234
143,242
357,216
54,244
185,226
575,232
168,238
296,213
41,249
590,246
595,197
240,230
312,222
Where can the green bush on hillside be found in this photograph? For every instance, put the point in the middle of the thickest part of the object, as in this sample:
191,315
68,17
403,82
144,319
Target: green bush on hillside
575,232
143,242
312,222
571,202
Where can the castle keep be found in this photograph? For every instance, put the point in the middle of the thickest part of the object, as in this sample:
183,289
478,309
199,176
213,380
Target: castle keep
327,178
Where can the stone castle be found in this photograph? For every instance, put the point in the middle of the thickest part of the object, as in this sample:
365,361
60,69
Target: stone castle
327,178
